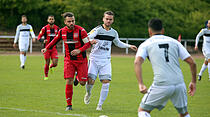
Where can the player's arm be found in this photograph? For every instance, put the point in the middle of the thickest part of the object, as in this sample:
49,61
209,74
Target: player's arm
32,33
140,57
41,33
120,44
201,33
56,39
16,36
184,55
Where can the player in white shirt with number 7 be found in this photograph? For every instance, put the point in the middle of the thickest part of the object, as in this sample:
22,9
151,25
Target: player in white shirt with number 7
163,52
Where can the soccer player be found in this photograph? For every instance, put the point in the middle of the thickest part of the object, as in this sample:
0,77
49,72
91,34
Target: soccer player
100,57
205,32
49,31
75,42
23,32
163,52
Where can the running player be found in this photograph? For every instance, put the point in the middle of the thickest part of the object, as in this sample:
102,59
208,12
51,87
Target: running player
163,53
49,31
23,32
205,32
75,42
100,57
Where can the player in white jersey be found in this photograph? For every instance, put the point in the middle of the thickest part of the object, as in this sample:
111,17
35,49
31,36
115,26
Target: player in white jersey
163,52
23,32
205,32
100,57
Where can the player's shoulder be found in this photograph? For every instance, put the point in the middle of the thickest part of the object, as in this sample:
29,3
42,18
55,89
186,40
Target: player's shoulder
79,27
20,25
28,25
56,26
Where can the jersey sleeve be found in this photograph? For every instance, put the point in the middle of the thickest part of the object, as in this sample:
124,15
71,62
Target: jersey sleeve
17,34
56,39
201,33
41,33
92,34
119,43
85,40
142,51
183,53
32,32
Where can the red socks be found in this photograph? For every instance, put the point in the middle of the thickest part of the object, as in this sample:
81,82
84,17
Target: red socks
46,69
69,94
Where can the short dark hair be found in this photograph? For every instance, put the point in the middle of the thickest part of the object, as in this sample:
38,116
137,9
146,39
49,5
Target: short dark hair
67,14
155,24
50,16
109,13
23,16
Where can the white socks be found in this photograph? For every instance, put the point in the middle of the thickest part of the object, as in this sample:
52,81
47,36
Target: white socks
145,114
22,59
104,93
89,88
187,115
204,66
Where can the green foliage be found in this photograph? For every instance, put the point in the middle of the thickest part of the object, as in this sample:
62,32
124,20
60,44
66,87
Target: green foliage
131,16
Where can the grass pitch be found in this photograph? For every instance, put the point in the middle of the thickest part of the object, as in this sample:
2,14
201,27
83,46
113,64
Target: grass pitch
24,93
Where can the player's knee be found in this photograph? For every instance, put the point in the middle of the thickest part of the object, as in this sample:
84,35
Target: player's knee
91,81
69,81
185,115
82,83
105,81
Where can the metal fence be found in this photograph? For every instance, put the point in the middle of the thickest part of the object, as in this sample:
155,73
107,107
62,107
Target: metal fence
184,41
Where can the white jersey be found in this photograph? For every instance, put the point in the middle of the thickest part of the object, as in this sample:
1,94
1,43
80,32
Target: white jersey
23,33
102,49
164,53
206,39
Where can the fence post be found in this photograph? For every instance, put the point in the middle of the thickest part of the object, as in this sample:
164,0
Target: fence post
185,44
30,45
126,50
63,47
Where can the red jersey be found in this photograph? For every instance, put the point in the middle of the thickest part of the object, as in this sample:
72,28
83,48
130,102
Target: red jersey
48,33
77,34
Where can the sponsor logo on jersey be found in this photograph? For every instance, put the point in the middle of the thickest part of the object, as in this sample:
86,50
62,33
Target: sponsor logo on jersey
76,35
64,35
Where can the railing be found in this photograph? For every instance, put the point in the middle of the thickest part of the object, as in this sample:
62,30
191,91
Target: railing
123,39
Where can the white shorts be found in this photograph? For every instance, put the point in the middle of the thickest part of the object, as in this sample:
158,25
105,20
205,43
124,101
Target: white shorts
206,55
158,96
103,69
23,45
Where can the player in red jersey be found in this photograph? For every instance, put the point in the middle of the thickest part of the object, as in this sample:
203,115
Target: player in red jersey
49,31
76,42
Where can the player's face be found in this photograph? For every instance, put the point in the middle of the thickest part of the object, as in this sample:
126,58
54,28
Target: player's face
208,24
24,20
51,20
70,22
108,20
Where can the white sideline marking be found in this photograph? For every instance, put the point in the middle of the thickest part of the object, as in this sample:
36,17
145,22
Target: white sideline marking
47,112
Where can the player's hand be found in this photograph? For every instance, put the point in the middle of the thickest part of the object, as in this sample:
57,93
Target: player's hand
196,48
142,88
133,47
45,41
93,41
192,88
15,45
44,50
33,40
75,52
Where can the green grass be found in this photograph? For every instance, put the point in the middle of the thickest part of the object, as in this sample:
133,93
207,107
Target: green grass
25,89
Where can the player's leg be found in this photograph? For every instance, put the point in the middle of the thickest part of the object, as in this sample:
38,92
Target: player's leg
92,75
82,72
22,49
54,57
203,68
179,100
47,63
105,78
26,46
209,67
69,71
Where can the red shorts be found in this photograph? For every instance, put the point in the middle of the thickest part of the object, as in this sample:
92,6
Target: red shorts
53,54
70,67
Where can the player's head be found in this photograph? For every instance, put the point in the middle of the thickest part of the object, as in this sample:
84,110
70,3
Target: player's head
108,18
69,19
208,24
51,19
155,26
24,19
